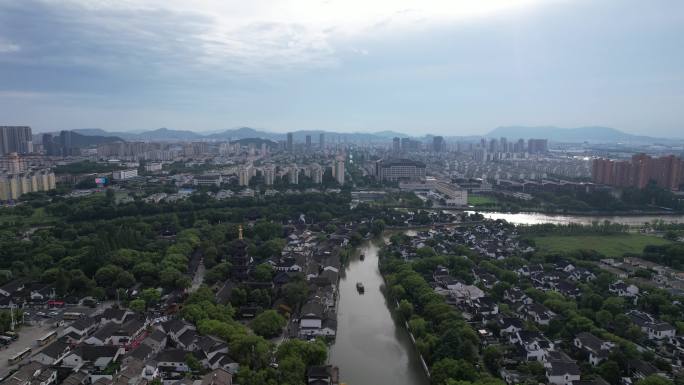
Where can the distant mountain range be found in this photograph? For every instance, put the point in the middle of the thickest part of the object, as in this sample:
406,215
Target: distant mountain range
571,135
165,134
160,134
554,134
83,140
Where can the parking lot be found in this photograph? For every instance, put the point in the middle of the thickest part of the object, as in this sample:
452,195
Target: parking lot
39,322
27,338
42,316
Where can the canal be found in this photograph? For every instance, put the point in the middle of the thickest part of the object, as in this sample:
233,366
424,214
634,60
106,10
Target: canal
371,348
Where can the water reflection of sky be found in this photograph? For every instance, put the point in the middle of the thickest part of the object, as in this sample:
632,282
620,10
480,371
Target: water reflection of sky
539,218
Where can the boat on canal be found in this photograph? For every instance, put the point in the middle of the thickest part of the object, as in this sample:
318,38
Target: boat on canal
359,287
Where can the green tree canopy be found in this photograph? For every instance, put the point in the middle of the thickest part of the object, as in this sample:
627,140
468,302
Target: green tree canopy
268,324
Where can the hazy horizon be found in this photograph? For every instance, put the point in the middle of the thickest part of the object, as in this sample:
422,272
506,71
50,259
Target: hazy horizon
452,68
385,133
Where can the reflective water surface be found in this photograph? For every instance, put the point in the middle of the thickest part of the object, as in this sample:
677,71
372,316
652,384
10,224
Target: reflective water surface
371,349
539,218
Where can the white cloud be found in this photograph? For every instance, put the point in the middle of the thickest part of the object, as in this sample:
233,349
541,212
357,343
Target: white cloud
8,47
271,35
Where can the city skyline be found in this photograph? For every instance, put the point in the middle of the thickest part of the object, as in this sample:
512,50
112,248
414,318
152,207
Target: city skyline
553,133
446,68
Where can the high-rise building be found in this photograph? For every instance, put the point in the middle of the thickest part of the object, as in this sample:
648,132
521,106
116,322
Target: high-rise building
667,171
12,186
519,146
405,144
537,146
290,142
317,174
438,144
49,145
503,144
396,145
308,142
244,175
321,141
269,175
339,170
293,174
16,139
493,145
13,163
602,171
409,145
65,143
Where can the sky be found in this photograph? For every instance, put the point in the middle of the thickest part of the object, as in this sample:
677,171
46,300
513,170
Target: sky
449,67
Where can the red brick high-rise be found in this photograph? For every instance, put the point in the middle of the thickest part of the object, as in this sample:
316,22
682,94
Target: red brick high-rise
667,172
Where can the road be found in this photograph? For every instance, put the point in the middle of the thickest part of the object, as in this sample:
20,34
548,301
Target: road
198,278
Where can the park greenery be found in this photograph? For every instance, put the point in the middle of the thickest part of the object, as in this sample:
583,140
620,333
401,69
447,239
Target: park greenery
606,239
101,248
482,200
615,245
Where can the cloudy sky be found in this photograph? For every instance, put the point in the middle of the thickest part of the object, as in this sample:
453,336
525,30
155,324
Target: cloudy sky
453,67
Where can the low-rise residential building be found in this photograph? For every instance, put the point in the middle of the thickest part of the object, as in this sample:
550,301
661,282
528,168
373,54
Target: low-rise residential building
596,348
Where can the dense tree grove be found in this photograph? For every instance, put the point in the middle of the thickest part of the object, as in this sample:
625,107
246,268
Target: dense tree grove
669,255
100,246
447,343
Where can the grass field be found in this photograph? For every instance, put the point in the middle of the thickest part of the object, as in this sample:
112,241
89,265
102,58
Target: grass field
608,245
480,200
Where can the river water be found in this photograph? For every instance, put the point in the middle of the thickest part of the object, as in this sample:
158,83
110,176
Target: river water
370,348
539,218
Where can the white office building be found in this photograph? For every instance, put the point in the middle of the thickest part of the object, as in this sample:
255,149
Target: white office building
125,174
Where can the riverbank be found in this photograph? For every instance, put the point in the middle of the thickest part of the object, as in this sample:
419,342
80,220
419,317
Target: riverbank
371,346
424,364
